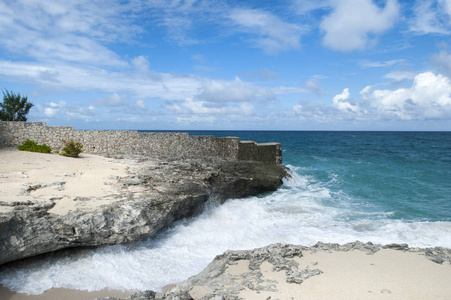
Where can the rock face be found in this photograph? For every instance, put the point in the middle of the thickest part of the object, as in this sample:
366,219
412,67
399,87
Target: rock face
152,197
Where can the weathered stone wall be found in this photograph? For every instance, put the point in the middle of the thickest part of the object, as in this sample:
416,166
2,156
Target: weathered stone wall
266,152
118,142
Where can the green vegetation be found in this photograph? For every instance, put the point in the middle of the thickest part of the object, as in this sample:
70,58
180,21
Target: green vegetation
32,146
14,107
72,149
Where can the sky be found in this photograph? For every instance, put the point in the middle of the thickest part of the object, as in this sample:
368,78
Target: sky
230,65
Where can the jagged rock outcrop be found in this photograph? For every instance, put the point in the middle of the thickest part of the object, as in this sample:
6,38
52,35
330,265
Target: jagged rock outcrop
154,195
222,284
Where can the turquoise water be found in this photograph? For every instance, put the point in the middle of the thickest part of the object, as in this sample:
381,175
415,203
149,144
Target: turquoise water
407,174
384,187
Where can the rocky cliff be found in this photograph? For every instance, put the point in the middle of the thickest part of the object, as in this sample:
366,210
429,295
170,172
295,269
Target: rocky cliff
153,195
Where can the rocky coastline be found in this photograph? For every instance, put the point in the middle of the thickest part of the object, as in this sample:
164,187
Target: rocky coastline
240,275
49,202
154,193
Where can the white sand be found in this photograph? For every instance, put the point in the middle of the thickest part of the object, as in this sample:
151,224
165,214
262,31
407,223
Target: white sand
66,181
387,274
62,294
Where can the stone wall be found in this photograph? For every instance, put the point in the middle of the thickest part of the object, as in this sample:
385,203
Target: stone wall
120,142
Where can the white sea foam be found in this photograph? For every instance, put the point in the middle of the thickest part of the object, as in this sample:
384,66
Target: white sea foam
296,213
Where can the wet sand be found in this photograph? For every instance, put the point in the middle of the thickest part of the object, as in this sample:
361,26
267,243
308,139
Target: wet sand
61,294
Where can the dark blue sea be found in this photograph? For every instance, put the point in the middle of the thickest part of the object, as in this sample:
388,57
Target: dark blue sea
383,187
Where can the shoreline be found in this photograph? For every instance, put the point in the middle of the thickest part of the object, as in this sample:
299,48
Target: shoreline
351,271
324,271
62,293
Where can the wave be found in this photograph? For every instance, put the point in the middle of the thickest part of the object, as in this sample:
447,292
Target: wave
303,211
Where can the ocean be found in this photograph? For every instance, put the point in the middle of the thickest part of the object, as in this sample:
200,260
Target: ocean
383,187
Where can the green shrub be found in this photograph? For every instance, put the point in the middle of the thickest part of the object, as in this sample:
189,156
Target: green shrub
72,149
32,146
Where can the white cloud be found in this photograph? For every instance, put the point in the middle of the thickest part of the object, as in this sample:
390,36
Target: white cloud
50,111
284,90
62,111
204,108
180,18
399,76
298,109
342,103
124,85
443,61
379,64
141,64
428,98
232,91
431,16
140,104
314,86
113,100
306,6
353,23
71,31
274,35
446,4
192,119
178,27
156,85
317,112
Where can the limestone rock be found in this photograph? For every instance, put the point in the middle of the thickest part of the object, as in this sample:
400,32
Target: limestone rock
153,196
222,284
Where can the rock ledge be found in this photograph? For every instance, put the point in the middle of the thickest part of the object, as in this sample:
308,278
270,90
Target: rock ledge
155,193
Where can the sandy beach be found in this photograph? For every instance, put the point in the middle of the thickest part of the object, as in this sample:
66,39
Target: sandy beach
386,274
28,176
60,294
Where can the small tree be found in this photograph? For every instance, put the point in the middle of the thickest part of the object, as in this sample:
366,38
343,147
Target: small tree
14,107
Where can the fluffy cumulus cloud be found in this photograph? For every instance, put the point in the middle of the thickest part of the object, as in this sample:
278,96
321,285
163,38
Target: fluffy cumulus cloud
429,98
274,35
343,102
63,111
353,24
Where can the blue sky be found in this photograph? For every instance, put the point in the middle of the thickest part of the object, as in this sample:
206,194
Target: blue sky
234,65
